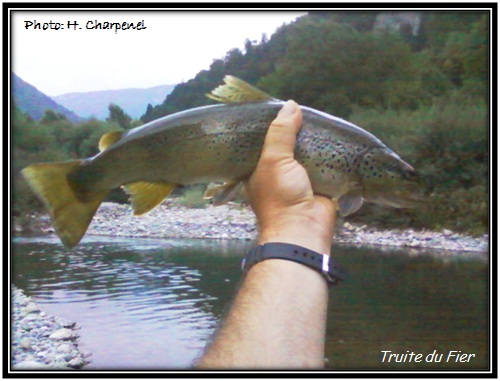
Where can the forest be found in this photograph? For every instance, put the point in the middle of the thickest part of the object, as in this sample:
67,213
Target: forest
425,94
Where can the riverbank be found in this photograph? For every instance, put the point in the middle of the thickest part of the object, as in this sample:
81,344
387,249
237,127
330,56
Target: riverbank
41,341
234,221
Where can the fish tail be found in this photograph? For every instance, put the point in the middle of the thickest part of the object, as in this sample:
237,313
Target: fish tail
71,209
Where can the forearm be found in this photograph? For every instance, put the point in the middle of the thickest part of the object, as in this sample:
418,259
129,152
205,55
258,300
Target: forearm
278,319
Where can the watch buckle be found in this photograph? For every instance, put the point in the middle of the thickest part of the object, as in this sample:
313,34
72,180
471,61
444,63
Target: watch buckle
325,269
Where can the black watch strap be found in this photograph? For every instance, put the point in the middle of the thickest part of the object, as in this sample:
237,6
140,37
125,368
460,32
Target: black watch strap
325,264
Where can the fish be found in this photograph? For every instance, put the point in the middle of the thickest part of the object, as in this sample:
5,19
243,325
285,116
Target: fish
219,143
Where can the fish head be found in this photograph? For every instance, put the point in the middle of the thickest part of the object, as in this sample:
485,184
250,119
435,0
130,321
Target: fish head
389,180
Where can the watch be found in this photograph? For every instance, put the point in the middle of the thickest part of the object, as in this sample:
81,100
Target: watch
325,264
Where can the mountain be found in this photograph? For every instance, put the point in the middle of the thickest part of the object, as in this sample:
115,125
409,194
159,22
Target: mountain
33,102
95,103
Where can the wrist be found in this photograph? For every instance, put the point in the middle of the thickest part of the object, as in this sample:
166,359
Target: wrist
301,233
322,264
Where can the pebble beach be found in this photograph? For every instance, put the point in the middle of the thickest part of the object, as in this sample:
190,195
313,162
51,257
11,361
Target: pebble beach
234,221
41,341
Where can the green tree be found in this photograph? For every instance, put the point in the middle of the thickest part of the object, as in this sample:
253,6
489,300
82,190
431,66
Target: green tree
84,141
118,116
60,127
32,142
475,76
458,45
332,66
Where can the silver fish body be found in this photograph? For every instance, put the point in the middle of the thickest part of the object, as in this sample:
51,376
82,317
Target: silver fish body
223,143
220,143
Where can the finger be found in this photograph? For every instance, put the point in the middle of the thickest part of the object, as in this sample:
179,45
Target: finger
282,134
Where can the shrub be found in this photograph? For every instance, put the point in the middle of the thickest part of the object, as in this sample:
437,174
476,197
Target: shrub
447,143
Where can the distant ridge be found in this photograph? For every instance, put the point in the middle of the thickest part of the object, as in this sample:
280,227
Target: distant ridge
95,103
33,102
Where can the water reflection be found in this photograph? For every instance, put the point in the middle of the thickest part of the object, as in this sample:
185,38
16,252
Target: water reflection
153,304
417,304
136,304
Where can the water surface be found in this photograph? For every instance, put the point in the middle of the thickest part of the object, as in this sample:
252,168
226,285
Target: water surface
153,304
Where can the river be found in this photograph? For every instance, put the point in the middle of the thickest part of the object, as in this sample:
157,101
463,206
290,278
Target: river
148,304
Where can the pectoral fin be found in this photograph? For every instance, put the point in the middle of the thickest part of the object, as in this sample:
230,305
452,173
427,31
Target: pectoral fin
350,203
221,194
145,196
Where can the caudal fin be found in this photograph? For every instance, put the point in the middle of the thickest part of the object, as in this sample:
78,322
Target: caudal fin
70,215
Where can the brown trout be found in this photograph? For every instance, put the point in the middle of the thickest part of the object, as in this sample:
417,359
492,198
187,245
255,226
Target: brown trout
219,143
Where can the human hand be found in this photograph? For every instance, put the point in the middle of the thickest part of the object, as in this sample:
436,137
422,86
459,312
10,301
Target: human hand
280,191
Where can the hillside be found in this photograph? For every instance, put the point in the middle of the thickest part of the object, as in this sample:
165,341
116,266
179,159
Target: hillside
32,101
420,83
95,103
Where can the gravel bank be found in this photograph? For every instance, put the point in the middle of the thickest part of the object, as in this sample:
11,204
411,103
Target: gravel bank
41,341
232,221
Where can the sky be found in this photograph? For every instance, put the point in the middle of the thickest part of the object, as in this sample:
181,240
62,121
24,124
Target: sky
173,47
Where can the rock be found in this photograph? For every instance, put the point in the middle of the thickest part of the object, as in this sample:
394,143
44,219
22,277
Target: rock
77,362
62,334
26,343
59,365
64,348
27,320
31,307
30,365
30,358
414,243
86,354
63,357
36,337
68,324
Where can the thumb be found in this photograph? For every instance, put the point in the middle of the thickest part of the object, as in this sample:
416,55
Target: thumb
282,133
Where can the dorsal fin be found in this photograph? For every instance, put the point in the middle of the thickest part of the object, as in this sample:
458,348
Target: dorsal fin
109,139
236,90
